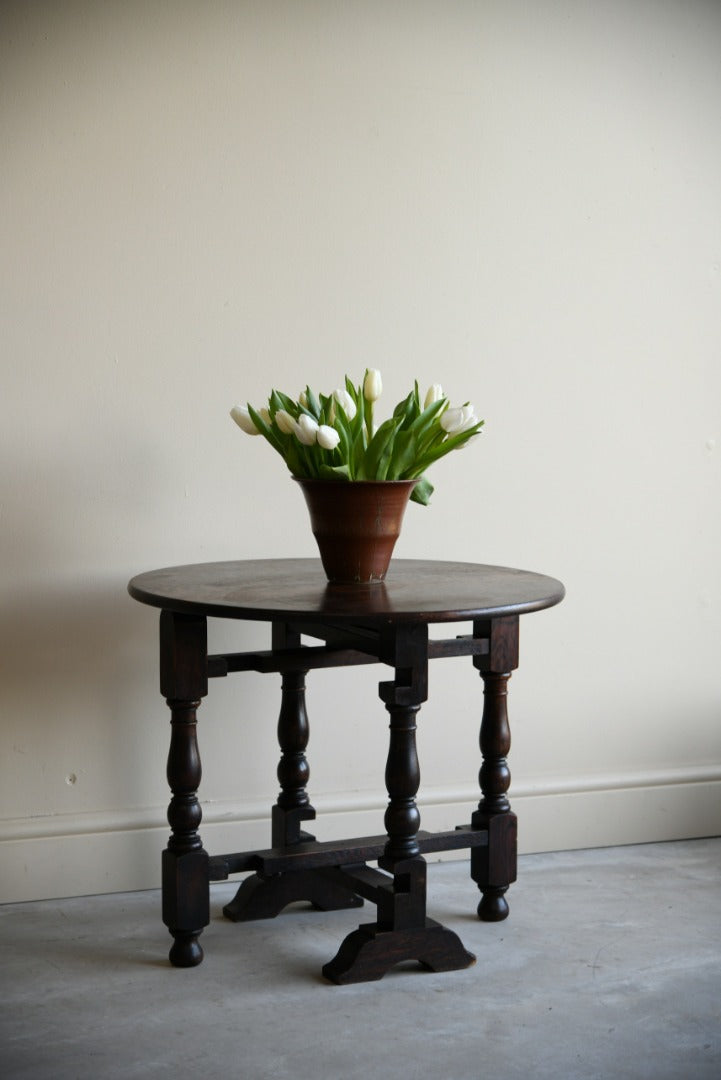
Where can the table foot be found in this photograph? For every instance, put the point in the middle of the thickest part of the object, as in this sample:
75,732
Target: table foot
368,953
264,898
493,906
186,951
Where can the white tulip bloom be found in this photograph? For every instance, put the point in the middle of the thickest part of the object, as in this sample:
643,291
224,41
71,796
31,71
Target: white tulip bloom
243,419
372,385
470,422
303,399
346,402
285,422
306,429
435,393
458,419
328,437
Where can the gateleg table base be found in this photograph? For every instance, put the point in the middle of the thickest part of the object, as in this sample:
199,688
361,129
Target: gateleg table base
387,625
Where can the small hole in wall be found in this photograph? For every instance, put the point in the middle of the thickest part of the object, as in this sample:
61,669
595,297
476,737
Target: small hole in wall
71,779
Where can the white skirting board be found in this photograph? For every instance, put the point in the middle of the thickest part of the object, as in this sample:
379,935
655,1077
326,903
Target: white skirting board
85,854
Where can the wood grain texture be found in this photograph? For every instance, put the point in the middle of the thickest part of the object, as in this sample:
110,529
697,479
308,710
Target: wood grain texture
415,590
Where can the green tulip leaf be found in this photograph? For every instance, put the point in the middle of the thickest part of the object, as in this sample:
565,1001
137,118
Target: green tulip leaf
422,491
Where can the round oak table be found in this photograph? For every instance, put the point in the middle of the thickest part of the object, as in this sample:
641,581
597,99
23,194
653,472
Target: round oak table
384,623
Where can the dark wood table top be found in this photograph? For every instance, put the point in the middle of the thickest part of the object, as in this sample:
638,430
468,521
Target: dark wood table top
415,590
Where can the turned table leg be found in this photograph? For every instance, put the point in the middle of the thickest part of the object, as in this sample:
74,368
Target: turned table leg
293,805
185,879
402,818
493,868
265,897
402,931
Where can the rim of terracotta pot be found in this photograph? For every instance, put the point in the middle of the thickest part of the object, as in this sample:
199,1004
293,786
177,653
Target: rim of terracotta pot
349,483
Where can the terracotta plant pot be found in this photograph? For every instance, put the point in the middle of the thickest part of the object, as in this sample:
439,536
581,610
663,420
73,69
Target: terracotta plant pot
356,525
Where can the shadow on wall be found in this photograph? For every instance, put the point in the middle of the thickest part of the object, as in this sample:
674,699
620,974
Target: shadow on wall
84,725
78,662
75,654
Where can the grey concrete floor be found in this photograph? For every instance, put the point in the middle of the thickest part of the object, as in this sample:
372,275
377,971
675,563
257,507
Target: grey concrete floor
608,967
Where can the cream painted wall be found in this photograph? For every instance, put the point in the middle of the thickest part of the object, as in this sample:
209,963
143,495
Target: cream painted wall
202,200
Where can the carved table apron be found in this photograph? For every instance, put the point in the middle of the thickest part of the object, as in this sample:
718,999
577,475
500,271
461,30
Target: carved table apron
383,623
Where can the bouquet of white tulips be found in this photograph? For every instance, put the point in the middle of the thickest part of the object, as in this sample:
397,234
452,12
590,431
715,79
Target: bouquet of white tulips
334,436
